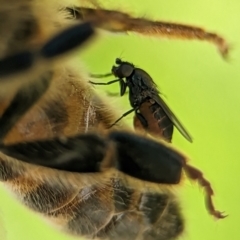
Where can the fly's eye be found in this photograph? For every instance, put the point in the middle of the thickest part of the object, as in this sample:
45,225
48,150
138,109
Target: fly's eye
126,70
118,61
122,71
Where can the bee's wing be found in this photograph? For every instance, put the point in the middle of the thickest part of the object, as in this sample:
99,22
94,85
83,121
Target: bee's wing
172,117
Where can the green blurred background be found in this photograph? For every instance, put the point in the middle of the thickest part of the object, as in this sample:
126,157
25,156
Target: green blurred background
203,91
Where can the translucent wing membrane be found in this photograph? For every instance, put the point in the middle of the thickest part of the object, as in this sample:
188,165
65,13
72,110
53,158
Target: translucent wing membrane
174,119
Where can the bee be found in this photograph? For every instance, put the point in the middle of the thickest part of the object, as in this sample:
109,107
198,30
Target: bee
151,112
104,209
57,154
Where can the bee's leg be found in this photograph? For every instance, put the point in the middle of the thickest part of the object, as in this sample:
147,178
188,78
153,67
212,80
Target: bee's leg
147,159
156,162
196,175
134,155
62,43
16,63
67,40
124,115
83,153
116,21
25,97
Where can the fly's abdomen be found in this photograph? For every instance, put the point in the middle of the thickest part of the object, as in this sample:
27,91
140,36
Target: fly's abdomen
164,123
154,120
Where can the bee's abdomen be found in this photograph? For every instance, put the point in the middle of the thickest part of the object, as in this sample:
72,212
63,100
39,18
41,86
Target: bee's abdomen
106,208
144,215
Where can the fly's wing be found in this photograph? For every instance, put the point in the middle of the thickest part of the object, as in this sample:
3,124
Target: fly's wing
150,89
172,117
145,81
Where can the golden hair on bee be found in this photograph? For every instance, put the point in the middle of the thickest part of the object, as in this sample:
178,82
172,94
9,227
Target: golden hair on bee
69,94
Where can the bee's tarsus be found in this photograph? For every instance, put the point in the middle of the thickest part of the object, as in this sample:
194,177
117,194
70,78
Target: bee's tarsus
196,175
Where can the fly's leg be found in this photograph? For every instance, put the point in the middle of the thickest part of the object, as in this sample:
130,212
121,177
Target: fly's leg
124,115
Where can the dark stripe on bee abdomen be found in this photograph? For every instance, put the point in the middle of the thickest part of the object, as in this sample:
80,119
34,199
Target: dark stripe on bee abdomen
7,173
46,198
127,226
92,212
148,200
151,216
163,214
122,195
